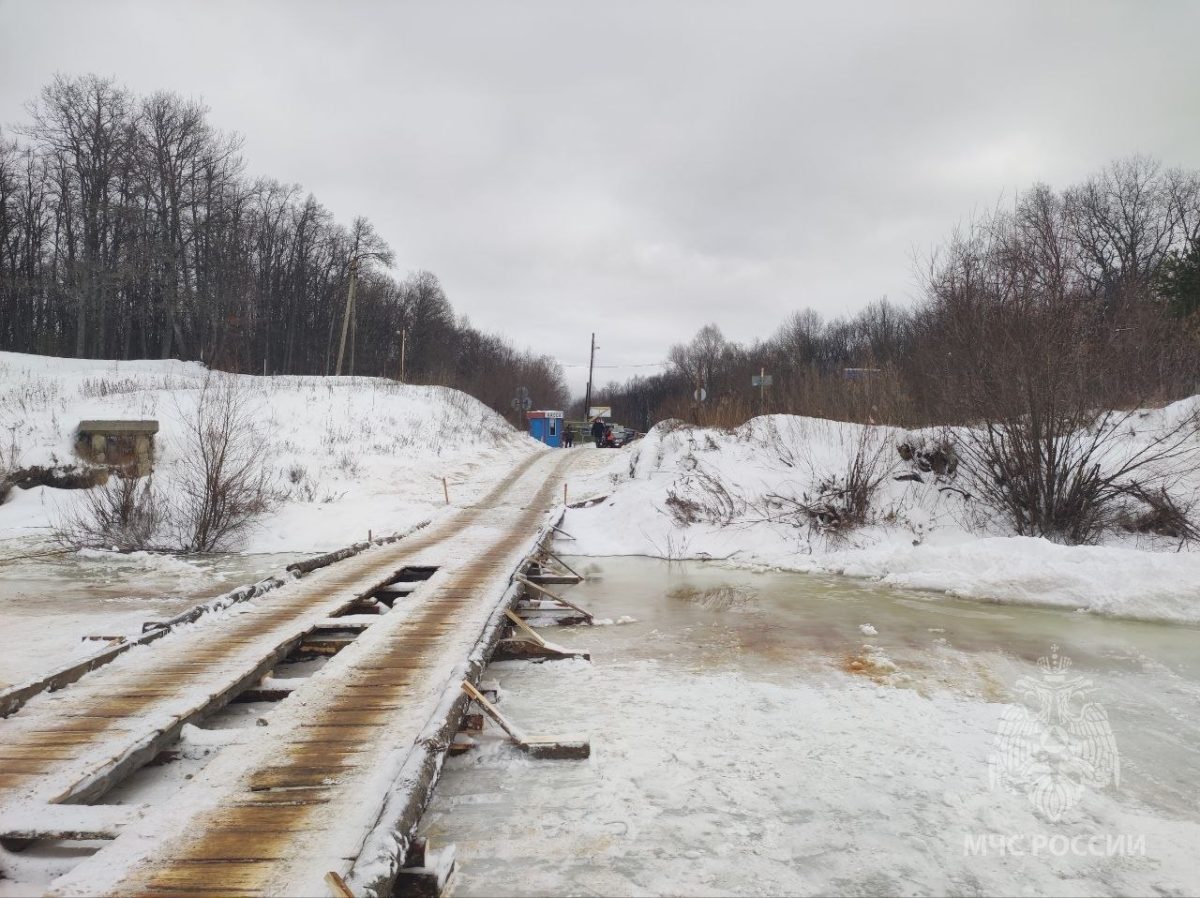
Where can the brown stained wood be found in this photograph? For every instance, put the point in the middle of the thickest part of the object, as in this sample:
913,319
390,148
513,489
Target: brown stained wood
257,818
208,878
235,848
302,796
355,735
337,885
36,752
313,756
296,777
356,716
197,893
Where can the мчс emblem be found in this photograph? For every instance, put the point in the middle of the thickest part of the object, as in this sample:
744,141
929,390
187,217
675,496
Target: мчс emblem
1054,751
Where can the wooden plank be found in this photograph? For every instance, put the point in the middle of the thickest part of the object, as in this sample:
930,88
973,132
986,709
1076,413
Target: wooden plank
280,818
238,846
337,886
490,710
566,566
57,821
296,777
214,878
523,579
303,796
529,632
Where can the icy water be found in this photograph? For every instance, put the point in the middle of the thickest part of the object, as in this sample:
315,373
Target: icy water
49,604
797,734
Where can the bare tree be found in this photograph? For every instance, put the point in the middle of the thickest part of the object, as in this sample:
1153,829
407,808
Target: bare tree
224,479
83,123
125,514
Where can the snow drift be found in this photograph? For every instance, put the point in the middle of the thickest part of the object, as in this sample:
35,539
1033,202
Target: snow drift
345,454
746,496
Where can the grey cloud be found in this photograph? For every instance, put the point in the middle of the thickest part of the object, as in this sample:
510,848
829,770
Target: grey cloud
639,169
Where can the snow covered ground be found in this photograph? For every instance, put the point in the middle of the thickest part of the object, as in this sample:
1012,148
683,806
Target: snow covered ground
347,457
666,492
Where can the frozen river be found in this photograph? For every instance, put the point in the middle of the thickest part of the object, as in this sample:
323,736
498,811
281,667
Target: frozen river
50,602
795,734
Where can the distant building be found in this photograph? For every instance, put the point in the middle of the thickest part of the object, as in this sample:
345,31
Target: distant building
859,373
546,427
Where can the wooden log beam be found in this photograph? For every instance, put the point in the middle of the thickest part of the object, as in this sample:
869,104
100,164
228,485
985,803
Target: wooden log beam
557,598
26,823
566,566
521,650
554,579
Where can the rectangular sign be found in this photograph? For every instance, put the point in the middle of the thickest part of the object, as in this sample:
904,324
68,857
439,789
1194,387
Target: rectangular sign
764,381
600,411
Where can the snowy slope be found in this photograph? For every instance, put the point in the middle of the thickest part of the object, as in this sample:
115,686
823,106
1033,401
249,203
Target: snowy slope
685,492
348,455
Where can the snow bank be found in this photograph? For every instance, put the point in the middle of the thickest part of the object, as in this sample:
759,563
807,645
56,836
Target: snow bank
685,492
347,455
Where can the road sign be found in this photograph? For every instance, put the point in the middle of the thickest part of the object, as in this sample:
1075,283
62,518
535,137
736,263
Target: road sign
700,395
522,403
763,380
600,411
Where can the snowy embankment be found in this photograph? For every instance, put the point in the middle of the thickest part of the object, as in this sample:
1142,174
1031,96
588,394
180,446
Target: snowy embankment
345,455
685,492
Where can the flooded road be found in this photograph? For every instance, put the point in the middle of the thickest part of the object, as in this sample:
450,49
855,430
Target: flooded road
783,733
49,603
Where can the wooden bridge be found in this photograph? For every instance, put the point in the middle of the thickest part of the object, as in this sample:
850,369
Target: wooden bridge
336,779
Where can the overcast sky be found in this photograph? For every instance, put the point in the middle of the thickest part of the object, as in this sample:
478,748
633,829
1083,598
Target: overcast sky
641,168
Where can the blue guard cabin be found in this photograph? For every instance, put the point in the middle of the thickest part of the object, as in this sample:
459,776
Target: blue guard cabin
546,427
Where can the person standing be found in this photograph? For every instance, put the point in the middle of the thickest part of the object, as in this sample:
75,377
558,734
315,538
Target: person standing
568,438
598,431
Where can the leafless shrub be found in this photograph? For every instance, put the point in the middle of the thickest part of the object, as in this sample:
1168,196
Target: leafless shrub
707,500
223,479
683,511
125,514
99,387
1159,513
300,486
1064,474
840,501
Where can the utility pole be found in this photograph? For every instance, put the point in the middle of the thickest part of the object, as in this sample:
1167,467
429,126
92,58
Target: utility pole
346,315
587,401
403,334
353,329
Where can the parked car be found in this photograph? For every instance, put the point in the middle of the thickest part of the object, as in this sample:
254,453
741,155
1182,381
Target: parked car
617,436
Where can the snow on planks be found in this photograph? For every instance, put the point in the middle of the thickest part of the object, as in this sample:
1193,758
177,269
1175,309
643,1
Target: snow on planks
298,798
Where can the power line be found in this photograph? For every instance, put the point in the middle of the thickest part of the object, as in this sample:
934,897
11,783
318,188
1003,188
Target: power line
640,365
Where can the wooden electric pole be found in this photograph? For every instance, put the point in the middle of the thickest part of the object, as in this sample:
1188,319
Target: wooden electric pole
346,315
587,400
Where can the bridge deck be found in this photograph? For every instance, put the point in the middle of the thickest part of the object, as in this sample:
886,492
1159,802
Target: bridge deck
297,797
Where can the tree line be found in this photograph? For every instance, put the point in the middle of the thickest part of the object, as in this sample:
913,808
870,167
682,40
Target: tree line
130,229
1093,290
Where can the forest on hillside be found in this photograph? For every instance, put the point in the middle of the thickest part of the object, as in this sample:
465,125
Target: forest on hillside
130,229
1090,295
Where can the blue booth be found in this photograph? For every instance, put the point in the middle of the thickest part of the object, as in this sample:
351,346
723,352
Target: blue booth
546,427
